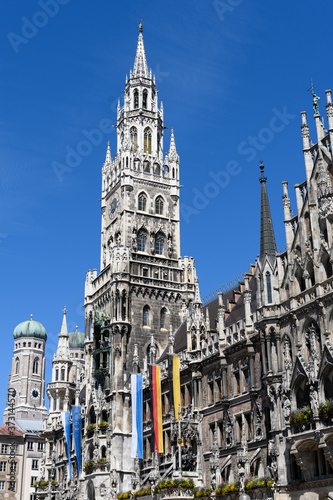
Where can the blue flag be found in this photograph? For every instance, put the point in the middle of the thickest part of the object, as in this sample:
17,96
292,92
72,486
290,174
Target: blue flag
137,408
66,425
76,424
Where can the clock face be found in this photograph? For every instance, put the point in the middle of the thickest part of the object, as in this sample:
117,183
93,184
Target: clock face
113,207
35,393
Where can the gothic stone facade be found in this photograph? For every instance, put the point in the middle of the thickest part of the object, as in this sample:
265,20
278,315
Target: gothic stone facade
249,359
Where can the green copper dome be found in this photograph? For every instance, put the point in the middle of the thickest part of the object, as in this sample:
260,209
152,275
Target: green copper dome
76,340
30,328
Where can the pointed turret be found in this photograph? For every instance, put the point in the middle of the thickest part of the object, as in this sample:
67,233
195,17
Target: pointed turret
108,158
173,155
63,346
140,68
197,298
267,238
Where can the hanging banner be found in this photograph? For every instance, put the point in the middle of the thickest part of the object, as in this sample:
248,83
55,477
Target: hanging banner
137,410
76,425
66,425
174,383
156,408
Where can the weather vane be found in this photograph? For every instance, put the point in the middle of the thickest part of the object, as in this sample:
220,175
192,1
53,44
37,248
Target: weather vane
315,98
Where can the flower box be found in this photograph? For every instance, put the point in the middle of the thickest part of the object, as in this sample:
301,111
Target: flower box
301,417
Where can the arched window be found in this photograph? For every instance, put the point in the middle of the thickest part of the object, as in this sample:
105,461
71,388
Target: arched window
147,141
136,98
62,373
142,202
269,288
17,366
163,317
159,205
134,138
142,241
57,374
145,99
35,366
145,316
159,244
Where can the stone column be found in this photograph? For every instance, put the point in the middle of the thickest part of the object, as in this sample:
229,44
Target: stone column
269,352
252,373
263,352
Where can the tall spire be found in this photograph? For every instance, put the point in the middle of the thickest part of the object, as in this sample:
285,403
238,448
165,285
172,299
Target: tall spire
108,158
140,68
267,238
64,323
173,155
63,347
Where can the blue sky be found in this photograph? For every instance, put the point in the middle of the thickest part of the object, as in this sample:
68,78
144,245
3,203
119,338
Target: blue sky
224,69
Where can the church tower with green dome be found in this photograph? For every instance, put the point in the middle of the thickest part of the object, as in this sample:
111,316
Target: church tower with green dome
27,376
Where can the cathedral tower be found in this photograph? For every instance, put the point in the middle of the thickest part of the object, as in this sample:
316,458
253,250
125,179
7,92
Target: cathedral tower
27,376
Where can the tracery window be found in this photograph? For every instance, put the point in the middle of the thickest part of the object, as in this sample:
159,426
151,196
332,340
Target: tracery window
147,141
142,202
145,316
142,241
159,244
159,205
136,98
134,138
145,99
269,288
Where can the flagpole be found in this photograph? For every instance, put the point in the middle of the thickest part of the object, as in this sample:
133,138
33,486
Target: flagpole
179,440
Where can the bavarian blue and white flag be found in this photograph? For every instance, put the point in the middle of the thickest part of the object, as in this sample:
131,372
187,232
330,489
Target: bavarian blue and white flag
137,409
66,425
76,425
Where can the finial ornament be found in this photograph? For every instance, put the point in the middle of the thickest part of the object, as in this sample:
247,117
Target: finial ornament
31,316
262,168
65,311
315,99
141,27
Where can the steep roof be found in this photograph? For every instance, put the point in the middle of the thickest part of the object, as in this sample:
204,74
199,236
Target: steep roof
235,311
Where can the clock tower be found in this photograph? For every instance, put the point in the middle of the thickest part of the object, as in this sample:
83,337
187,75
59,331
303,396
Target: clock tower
144,284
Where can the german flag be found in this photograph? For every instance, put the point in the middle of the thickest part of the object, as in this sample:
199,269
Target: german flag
156,407
174,383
